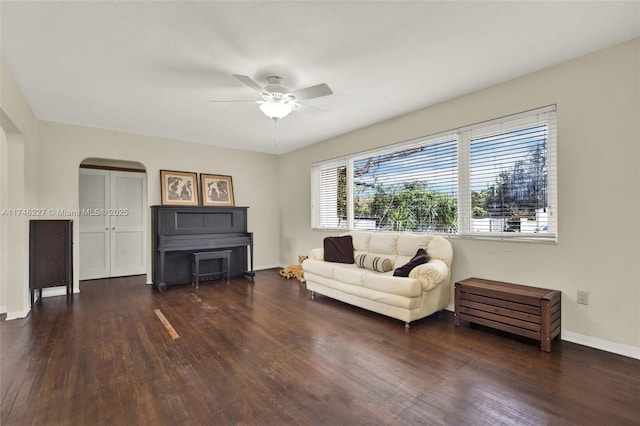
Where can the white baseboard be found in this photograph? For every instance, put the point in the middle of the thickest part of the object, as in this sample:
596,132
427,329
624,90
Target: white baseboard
46,292
17,314
56,291
602,344
593,342
261,267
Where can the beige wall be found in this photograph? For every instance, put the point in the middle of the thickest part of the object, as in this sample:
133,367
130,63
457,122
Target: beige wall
18,175
599,186
63,147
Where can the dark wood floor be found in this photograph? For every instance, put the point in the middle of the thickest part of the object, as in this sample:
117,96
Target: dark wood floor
265,354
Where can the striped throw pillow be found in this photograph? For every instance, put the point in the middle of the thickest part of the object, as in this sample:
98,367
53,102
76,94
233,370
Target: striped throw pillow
375,263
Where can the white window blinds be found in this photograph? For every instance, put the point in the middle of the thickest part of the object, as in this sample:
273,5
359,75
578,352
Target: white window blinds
511,176
408,188
329,195
492,179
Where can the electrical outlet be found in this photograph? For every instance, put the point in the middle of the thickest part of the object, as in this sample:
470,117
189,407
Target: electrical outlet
583,297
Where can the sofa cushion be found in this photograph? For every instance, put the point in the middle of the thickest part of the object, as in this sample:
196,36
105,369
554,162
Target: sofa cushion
318,267
390,299
338,249
360,240
409,243
387,283
348,274
420,258
375,263
383,243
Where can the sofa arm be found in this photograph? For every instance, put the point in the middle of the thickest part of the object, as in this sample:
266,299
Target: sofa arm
430,274
316,254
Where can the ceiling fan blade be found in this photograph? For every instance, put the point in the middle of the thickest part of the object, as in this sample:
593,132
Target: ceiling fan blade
215,100
312,107
312,92
249,82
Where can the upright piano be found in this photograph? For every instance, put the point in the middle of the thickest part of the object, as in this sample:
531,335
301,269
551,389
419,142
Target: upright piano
179,231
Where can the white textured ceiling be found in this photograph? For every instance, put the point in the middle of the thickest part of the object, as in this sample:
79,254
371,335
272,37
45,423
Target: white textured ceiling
152,67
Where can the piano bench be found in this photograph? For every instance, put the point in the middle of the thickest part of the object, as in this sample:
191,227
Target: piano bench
198,257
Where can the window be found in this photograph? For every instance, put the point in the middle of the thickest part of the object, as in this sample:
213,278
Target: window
494,179
329,205
409,189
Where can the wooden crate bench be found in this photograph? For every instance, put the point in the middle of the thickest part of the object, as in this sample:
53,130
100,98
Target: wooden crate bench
526,311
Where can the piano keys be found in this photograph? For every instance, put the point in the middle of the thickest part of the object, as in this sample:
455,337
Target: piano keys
178,232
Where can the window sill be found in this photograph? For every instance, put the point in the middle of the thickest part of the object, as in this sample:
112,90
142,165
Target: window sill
507,237
551,239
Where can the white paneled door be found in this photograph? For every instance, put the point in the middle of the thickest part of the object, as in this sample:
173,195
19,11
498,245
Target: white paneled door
95,230
112,223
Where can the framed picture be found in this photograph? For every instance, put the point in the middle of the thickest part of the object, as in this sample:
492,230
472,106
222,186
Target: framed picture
216,190
179,188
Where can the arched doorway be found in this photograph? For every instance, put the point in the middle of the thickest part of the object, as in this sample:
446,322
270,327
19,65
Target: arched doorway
113,218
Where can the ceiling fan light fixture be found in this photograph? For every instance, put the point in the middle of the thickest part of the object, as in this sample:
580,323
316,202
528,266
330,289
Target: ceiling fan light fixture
277,101
276,110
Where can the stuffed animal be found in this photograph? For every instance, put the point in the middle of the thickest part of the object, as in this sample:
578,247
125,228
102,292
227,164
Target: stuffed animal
294,270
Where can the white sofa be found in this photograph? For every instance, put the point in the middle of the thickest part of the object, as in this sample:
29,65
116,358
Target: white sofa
424,292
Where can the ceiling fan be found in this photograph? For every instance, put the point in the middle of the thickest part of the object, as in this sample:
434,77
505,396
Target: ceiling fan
277,101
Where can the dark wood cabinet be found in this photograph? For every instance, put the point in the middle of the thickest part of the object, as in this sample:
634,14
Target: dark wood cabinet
50,255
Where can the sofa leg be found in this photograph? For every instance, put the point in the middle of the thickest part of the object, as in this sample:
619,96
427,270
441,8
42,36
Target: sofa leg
406,325
313,295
